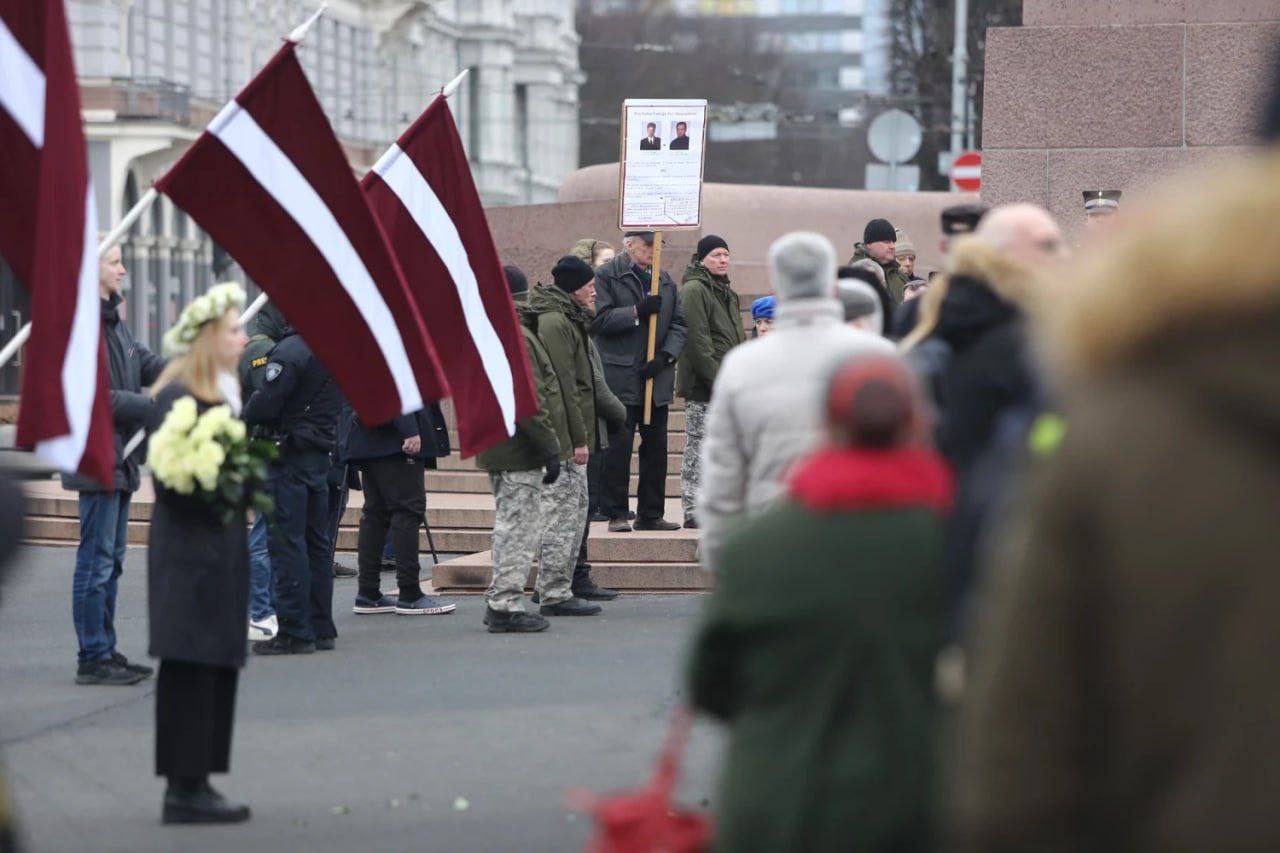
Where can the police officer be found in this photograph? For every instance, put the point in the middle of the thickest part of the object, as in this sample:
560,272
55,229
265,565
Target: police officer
298,405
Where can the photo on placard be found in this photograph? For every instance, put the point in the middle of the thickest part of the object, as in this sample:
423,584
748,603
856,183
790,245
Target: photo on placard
681,134
650,138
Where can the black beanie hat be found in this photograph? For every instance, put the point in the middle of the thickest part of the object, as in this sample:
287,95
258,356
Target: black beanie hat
571,273
879,231
709,244
516,281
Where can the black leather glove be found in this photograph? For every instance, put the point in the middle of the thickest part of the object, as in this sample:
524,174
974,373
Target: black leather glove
648,306
553,470
651,369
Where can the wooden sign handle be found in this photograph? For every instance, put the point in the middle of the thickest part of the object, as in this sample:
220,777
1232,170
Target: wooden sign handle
654,284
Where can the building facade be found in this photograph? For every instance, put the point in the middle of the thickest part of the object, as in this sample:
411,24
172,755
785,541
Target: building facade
154,72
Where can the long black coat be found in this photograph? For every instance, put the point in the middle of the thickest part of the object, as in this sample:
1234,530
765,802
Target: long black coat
197,573
130,367
624,343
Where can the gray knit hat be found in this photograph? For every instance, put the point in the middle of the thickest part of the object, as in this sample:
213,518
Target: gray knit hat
803,266
859,300
904,247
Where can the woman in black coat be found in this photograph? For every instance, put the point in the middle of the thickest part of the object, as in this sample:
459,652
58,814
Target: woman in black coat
197,583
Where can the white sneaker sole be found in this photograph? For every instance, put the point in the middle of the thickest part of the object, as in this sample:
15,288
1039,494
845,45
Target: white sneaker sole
372,611
426,611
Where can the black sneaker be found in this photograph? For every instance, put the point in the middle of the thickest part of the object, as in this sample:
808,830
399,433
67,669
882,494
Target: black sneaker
344,572
691,523
283,644
144,671
203,805
619,525
657,524
106,672
570,607
325,644
599,516
500,622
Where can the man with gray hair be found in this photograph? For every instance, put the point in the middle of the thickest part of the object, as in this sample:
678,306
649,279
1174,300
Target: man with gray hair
766,404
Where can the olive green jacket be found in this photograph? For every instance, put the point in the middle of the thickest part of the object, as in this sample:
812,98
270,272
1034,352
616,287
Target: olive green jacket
713,318
562,326
537,437
894,278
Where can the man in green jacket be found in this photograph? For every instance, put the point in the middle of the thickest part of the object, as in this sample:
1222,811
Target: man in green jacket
562,317
516,476
879,241
714,321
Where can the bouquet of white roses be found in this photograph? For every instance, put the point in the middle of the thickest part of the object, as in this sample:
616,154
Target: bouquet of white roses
210,457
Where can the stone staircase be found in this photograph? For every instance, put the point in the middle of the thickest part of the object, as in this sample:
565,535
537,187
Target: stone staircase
460,512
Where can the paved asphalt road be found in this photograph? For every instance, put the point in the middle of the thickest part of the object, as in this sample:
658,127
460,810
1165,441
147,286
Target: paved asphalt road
368,747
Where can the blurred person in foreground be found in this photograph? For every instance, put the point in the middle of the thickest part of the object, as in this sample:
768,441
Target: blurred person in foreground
860,303
198,576
827,691
713,318
766,406
869,272
1124,693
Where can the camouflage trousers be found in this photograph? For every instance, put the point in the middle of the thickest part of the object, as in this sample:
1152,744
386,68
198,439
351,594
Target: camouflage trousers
517,532
564,518
695,424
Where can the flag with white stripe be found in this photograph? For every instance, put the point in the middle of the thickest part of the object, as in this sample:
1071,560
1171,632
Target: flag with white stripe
48,234
270,183
423,193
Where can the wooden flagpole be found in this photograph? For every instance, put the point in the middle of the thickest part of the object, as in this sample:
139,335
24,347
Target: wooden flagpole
655,281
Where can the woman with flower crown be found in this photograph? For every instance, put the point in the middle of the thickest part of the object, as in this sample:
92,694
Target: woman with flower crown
198,559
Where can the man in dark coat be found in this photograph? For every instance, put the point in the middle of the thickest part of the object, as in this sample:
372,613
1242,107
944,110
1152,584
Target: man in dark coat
298,405
391,458
879,243
268,328
621,329
104,514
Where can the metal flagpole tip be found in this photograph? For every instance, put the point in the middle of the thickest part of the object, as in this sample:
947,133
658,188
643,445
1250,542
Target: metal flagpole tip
300,32
452,86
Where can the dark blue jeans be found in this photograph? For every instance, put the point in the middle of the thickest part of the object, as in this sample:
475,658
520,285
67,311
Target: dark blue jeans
299,545
261,600
104,533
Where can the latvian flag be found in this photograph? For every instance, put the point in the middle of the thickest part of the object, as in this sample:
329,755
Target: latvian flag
269,181
48,234
423,193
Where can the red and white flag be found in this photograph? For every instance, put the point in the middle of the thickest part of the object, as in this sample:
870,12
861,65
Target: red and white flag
48,233
269,182
423,193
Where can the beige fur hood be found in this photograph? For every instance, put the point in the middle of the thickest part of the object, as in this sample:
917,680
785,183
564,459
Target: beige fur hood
1204,251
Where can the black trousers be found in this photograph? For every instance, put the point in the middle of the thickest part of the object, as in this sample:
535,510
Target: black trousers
594,464
195,712
615,474
299,545
395,500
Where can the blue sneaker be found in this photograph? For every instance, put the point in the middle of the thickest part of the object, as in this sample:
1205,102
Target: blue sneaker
382,604
428,605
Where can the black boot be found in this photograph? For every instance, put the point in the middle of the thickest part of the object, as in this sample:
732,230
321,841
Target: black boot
570,607
585,588
502,622
283,644
194,801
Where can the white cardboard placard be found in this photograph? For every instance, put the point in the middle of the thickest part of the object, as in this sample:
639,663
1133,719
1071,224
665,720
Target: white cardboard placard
663,151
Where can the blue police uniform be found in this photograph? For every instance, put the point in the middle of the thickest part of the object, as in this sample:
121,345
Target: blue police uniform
299,403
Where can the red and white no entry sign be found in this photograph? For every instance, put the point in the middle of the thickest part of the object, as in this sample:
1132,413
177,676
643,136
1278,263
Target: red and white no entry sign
966,171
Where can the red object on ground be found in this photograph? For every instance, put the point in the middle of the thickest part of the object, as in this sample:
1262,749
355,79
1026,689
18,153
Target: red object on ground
270,183
49,232
423,193
646,820
966,171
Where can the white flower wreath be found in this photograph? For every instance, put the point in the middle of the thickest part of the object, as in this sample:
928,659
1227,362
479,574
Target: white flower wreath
220,299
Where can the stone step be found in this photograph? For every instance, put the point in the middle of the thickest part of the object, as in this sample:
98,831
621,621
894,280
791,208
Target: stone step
454,462
477,482
67,530
472,574
472,511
